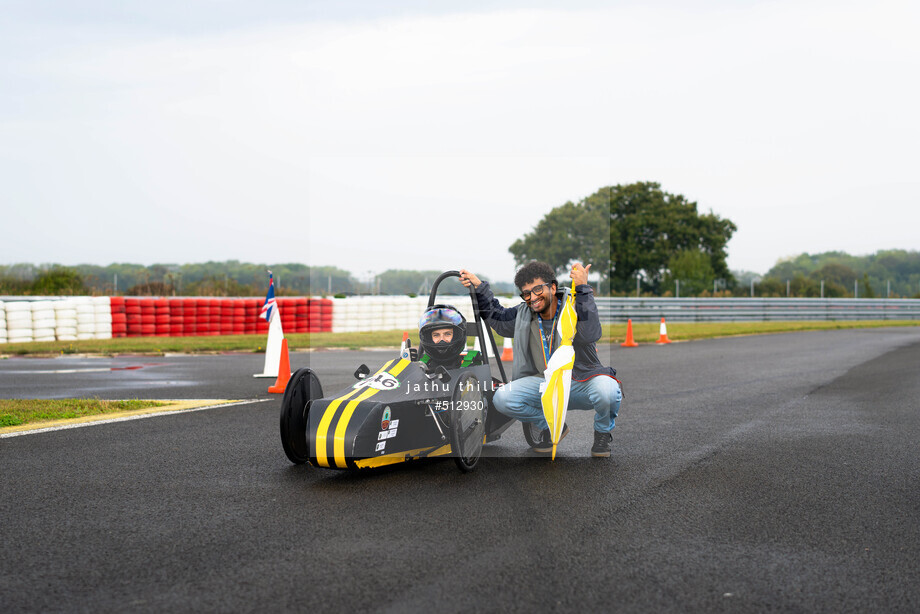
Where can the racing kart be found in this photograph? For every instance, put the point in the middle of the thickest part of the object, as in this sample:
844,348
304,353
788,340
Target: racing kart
403,411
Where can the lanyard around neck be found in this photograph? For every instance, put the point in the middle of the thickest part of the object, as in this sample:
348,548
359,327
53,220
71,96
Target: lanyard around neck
548,343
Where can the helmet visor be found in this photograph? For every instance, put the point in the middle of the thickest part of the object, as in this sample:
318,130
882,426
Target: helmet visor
442,316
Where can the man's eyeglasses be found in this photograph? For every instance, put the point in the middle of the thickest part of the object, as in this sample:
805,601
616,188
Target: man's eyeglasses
536,290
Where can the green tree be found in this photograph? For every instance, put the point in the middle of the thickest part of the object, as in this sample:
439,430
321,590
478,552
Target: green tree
770,287
625,230
837,273
693,269
868,290
802,286
874,272
395,281
150,288
15,279
59,280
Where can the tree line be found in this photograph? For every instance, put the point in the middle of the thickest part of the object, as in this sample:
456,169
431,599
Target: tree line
639,239
894,273
230,278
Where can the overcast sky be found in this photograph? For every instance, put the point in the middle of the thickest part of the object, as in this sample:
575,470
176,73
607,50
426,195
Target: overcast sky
370,138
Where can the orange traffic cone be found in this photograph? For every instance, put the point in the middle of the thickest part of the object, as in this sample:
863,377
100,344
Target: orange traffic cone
507,350
630,342
284,370
663,332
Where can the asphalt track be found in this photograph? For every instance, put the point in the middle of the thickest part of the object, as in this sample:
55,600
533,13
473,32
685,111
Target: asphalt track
770,473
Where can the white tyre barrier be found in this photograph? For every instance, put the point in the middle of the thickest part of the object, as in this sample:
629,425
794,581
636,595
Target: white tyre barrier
65,315
341,314
43,323
42,320
103,313
86,318
72,318
19,319
19,322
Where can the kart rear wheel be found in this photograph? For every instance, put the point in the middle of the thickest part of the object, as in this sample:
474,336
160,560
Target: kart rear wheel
532,433
302,388
468,411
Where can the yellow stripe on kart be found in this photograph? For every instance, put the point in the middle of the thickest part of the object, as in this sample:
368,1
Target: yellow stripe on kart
338,443
398,457
322,431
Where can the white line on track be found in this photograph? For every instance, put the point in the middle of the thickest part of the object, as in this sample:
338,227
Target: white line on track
77,425
53,371
76,370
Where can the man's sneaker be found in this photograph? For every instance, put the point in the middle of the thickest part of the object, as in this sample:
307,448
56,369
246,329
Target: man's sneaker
601,447
546,440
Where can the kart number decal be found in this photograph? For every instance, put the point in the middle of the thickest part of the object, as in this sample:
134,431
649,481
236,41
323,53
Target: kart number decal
338,442
325,424
381,381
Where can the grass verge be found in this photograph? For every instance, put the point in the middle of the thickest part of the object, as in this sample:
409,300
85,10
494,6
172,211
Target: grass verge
612,333
15,412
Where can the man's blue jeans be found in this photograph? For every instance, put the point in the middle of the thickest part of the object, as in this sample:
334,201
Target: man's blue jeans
521,399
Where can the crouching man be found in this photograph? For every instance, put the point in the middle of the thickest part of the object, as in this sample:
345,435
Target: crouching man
532,325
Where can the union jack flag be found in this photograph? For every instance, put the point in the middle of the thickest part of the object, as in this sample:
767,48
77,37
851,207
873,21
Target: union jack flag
268,309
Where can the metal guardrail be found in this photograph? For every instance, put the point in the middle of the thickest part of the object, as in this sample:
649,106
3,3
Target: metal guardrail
754,309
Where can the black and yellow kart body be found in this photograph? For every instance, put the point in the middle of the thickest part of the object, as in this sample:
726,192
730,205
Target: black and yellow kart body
403,411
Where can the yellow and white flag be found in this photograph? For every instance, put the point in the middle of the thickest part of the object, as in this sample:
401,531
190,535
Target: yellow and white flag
558,373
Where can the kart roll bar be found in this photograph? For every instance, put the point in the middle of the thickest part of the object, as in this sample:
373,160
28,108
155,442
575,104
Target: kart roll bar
481,326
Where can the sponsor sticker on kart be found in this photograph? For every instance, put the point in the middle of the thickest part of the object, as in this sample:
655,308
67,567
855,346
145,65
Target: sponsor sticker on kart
385,422
394,424
382,435
380,446
381,381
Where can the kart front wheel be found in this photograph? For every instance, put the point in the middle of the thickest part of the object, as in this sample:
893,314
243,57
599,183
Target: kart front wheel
468,411
302,388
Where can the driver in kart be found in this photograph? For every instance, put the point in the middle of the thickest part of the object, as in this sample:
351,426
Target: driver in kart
442,336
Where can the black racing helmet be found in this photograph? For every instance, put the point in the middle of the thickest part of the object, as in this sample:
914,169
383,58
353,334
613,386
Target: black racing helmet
436,318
